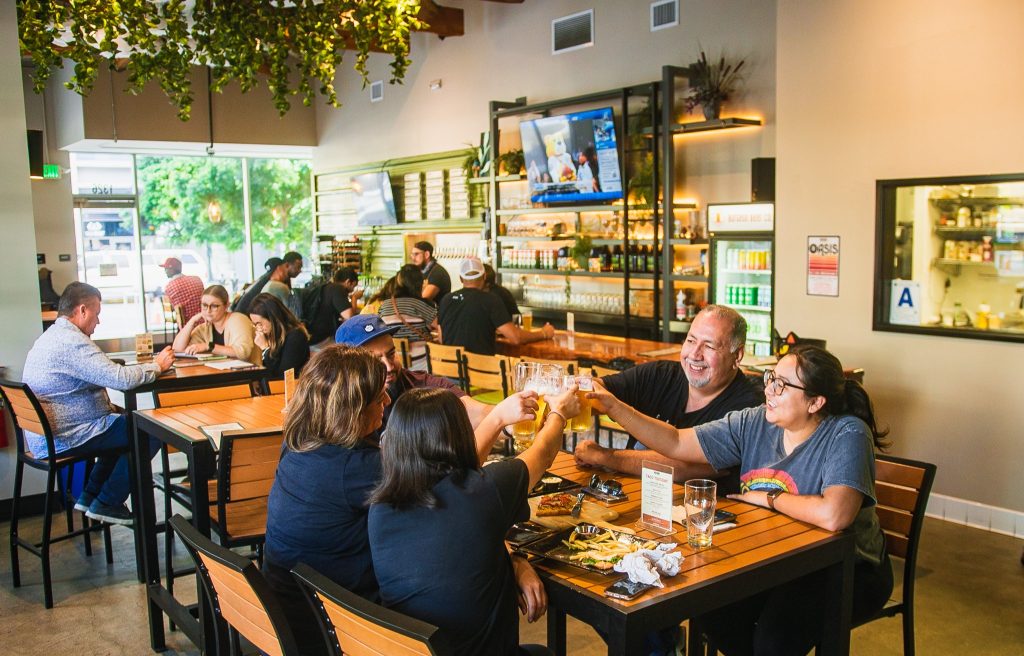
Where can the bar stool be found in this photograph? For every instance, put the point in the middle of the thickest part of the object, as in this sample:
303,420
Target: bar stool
28,415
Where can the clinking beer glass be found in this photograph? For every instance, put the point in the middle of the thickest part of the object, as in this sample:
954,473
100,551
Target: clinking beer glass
584,385
543,379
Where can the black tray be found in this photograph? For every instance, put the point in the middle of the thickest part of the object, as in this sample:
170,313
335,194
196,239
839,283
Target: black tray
553,548
563,485
526,532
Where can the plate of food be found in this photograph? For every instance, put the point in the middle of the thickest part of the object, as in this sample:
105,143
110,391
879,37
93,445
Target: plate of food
555,511
589,547
553,483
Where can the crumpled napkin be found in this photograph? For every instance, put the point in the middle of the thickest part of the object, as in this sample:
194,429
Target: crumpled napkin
647,565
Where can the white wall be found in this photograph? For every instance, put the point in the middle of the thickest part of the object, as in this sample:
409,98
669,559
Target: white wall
19,289
878,89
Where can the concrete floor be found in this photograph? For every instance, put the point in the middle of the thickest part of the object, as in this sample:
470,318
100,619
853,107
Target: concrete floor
970,600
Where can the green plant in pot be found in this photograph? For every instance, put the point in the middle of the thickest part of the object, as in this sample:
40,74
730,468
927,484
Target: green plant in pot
513,161
580,251
711,84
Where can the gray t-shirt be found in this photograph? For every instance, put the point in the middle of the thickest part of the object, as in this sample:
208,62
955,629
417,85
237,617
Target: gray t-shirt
839,452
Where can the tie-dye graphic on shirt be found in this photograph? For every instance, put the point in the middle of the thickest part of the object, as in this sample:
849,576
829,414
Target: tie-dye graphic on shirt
767,478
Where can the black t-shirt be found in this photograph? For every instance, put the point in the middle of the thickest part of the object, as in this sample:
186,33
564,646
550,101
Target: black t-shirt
469,318
218,336
436,274
506,298
293,354
448,565
334,302
660,389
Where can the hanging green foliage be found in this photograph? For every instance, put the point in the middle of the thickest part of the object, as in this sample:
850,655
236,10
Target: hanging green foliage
296,45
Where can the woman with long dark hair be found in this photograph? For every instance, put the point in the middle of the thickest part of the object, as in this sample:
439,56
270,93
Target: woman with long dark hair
807,452
280,336
438,522
406,308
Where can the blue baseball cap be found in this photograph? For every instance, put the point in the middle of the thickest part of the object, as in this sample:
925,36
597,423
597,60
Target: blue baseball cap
362,328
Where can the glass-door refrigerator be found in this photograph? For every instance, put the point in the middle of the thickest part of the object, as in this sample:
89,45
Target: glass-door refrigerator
742,250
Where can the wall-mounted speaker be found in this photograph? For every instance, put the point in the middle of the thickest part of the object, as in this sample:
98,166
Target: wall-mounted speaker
762,179
35,154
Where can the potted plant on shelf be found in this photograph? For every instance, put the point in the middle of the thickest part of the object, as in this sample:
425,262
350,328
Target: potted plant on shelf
711,83
512,161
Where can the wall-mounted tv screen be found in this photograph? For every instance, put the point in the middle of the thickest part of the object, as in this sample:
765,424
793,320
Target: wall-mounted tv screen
374,200
572,158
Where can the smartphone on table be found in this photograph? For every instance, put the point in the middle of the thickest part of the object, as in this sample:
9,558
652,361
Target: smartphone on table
626,589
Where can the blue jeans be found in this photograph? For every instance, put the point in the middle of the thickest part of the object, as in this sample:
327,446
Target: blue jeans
110,481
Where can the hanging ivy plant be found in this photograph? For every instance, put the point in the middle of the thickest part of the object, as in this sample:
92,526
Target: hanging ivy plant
296,45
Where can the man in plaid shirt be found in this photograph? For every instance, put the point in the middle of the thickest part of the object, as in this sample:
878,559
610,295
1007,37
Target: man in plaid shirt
182,290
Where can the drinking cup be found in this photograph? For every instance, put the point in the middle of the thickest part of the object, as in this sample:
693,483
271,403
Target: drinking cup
584,384
523,431
699,499
527,319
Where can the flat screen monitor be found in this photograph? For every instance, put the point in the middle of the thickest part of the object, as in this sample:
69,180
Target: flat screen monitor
573,158
374,200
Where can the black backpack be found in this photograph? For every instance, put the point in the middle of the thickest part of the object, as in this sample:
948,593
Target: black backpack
311,297
245,300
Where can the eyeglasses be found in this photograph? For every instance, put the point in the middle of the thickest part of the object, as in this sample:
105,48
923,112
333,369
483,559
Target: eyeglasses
778,385
211,306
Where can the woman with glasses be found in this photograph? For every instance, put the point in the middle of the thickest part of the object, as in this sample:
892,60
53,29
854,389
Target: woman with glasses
808,452
217,330
281,338
438,521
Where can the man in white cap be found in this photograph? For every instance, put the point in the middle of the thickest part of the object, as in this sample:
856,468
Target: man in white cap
470,317
182,290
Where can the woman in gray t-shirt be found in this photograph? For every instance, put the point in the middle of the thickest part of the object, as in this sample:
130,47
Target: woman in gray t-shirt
807,452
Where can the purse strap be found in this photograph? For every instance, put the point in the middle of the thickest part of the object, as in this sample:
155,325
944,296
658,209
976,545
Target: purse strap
425,335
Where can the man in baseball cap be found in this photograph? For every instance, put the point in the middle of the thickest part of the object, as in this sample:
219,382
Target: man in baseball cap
186,291
471,317
370,332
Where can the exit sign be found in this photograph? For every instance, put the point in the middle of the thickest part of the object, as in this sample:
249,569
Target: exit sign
51,171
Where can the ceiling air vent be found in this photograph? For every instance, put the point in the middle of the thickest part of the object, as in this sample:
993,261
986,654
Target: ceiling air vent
664,14
572,32
377,91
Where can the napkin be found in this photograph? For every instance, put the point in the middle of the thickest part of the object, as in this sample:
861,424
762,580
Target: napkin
647,565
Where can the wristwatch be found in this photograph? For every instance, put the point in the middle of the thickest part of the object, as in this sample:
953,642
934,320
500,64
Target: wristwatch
774,494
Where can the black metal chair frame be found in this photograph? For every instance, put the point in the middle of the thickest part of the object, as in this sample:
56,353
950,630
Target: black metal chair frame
227,635
313,582
53,465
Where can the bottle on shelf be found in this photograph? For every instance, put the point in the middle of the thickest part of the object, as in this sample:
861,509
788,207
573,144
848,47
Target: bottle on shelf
617,258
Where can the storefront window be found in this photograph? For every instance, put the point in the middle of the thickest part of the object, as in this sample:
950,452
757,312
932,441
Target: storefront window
194,209
950,257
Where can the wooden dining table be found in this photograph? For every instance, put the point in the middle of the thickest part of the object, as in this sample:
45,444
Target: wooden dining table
766,549
179,426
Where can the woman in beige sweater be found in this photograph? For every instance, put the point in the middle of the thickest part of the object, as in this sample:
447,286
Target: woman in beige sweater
217,330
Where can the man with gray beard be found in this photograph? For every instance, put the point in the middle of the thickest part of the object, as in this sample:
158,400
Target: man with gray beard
706,385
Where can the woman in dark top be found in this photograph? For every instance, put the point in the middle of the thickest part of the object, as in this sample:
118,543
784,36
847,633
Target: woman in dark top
281,337
316,512
438,520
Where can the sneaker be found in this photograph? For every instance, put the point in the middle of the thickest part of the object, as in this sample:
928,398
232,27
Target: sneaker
84,501
110,514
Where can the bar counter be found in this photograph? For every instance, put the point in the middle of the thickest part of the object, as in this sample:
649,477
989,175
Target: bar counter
589,346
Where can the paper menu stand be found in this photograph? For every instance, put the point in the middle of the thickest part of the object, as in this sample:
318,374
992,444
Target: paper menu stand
289,385
656,498
144,346
214,431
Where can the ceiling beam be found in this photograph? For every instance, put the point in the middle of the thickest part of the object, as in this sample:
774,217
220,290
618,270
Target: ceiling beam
442,21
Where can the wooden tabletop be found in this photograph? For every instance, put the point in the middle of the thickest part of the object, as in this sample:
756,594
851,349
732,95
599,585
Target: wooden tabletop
566,346
760,535
185,420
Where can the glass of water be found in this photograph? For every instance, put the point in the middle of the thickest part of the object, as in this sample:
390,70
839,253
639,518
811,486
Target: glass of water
699,499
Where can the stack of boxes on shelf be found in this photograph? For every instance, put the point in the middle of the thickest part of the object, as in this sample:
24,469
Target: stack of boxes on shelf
413,196
458,194
434,193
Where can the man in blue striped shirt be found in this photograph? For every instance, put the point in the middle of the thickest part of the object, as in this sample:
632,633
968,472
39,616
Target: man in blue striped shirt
69,375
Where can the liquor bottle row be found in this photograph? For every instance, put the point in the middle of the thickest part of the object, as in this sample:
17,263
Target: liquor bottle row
749,295
759,327
742,259
638,259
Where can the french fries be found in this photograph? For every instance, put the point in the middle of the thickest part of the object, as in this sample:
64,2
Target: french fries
603,548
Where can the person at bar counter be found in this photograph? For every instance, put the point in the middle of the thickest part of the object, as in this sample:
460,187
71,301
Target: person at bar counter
372,333
416,318
181,289
470,316
218,331
316,511
504,295
437,283
705,385
68,373
281,338
336,302
438,520
807,452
